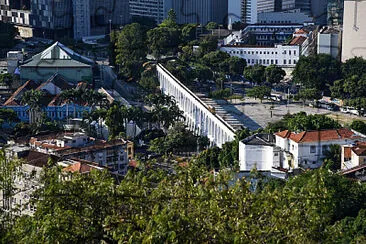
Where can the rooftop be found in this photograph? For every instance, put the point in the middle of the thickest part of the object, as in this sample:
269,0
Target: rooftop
319,135
58,55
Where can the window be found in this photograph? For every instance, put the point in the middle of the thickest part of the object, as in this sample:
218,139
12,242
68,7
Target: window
312,149
284,61
289,52
276,154
324,149
294,52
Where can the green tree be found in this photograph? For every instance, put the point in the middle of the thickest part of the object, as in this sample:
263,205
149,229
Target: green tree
148,81
255,73
8,116
207,44
274,74
308,94
236,65
163,41
215,59
202,73
211,26
189,32
171,20
178,139
332,159
354,67
71,210
358,125
6,79
164,111
350,88
36,100
131,49
259,92
116,120
303,122
316,71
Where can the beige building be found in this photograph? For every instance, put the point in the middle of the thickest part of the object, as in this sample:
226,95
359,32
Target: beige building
354,29
353,155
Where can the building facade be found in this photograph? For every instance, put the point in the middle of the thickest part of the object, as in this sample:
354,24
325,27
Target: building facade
67,18
280,55
308,148
354,30
329,42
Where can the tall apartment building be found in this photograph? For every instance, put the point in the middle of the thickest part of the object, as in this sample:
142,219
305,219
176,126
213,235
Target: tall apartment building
56,18
188,11
154,9
251,8
287,4
81,13
354,30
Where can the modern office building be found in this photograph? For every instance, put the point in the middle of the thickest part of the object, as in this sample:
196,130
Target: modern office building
154,9
251,8
354,30
189,11
56,19
200,11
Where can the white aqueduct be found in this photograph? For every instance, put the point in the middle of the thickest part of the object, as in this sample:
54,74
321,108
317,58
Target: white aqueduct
199,117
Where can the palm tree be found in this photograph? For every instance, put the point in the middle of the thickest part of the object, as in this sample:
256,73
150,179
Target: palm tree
36,101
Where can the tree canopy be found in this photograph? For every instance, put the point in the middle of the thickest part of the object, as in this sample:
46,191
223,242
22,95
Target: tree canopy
317,71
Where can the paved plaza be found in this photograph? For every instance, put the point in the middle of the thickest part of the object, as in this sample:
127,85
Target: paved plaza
254,115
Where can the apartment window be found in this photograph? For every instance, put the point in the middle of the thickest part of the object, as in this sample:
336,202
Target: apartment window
276,61
256,52
260,52
284,61
284,52
294,52
324,149
312,149
294,61
289,52
271,61
289,61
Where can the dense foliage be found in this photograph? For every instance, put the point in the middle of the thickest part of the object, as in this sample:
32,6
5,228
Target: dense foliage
302,122
192,205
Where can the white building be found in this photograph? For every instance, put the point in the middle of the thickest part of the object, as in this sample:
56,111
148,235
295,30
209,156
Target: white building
281,55
308,148
112,154
258,151
353,155
329,42
354,30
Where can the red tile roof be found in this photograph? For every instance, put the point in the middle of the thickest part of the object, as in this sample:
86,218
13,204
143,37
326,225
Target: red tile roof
82,167
29,85
321,135
298,40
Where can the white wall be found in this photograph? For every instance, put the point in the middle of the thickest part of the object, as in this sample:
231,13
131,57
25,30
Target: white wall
255,156
284,56
354,30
